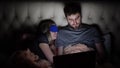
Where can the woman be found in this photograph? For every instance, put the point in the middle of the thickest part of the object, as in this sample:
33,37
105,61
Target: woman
44,44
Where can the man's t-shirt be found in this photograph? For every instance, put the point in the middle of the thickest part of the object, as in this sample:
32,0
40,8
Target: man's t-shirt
85,34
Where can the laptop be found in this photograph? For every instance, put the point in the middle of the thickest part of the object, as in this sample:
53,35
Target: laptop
76,60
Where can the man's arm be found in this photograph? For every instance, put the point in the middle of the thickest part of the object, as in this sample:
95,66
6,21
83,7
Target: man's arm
100,51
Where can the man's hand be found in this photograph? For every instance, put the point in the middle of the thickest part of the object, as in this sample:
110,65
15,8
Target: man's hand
76,48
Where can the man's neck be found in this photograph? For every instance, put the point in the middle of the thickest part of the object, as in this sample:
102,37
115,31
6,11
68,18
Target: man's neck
75,27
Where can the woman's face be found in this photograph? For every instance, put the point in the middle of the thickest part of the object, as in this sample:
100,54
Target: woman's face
28,55
53,35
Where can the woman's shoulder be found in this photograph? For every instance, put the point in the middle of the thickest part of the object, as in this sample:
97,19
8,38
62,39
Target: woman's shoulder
41,34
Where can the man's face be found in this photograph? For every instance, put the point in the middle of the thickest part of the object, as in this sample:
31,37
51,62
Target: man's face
74,20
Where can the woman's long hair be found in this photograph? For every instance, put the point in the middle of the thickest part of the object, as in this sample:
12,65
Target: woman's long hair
44,26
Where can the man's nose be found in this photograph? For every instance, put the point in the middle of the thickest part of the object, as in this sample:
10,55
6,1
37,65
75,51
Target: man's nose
74,21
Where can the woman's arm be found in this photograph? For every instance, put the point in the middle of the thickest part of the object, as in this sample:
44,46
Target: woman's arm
60,50
47,51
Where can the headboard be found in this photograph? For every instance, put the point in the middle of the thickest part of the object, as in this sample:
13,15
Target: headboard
15,14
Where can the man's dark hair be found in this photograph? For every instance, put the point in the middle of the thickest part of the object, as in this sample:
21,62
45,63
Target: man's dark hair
72,8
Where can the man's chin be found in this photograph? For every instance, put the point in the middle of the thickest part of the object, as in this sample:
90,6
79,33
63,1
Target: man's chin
75,27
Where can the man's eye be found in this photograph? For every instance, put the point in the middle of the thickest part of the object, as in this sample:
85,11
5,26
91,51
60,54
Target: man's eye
77,17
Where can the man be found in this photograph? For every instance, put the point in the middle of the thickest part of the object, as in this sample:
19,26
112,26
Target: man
76,32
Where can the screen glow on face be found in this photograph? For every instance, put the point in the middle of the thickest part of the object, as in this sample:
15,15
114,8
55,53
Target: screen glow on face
74,20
